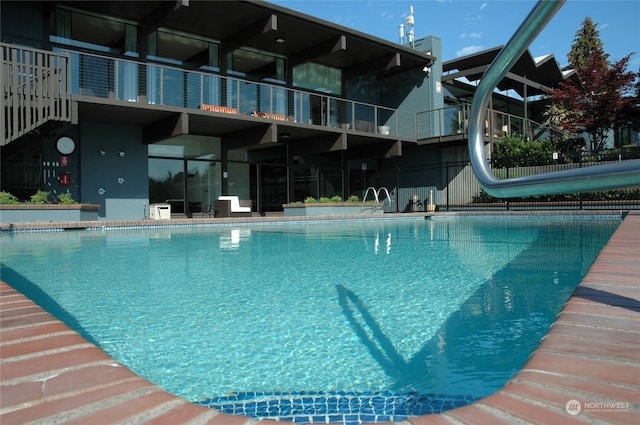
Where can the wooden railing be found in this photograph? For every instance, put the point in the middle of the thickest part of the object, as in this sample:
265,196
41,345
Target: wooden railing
35,90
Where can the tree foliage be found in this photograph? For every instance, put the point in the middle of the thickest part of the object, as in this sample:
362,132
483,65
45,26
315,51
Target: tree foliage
513,151
630,114
585,43
595,103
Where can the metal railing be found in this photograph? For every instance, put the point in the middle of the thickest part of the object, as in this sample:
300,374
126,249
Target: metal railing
35,89
453,186
454,120
87,74
611,176
161,84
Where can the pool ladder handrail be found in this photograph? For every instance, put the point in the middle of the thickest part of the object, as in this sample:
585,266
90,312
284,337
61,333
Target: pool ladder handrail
588,179
378,205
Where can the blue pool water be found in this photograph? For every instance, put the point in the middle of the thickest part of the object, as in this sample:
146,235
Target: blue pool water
346,321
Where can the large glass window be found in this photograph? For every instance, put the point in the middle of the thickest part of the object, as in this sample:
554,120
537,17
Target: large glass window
166,182
319,78
186,173
184,49
305,181
98,75
175,86
257,65
203,185
94,32
271,181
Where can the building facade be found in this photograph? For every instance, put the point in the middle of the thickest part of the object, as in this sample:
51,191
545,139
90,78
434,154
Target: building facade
130,103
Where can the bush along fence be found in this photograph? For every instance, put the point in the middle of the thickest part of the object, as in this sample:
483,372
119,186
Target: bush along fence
453,186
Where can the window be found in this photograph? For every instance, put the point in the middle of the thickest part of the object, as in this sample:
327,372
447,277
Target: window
94,32
184,50
318,78
257,65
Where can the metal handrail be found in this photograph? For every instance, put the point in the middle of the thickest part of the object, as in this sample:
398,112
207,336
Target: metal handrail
528,129
601,177
378,205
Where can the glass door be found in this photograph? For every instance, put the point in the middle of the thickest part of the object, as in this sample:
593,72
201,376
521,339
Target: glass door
202,186
166,183
270,182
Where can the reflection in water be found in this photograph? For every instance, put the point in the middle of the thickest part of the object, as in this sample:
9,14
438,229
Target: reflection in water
433,306
233,239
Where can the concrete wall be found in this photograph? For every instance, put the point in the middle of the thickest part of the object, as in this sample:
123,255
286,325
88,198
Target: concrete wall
118,183
47,213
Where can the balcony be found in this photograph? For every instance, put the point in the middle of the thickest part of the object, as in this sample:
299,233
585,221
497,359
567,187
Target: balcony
37,86
451,124
151,83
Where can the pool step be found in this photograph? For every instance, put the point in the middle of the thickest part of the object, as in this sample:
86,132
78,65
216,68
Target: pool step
345,407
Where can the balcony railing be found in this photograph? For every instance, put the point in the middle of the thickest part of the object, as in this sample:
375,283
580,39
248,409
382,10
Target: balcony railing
453,120
155,83
35,89
37,86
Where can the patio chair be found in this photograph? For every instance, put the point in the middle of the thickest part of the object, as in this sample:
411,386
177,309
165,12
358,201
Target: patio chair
232,206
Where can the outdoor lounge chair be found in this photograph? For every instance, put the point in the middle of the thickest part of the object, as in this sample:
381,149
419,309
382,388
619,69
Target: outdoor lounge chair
231,206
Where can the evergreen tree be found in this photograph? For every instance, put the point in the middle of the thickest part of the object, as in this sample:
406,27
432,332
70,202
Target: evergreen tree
586,42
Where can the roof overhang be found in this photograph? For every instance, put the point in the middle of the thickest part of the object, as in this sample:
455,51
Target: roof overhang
160,123
261,25
528,77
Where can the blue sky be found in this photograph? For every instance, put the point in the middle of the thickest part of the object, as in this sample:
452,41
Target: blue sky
468,26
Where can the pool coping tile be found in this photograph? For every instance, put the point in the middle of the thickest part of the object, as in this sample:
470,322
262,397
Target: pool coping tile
586,369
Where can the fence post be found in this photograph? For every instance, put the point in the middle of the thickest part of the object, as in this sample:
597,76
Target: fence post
397,187
580,194
507,198
446,164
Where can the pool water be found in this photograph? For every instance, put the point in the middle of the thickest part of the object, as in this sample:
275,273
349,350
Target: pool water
318,318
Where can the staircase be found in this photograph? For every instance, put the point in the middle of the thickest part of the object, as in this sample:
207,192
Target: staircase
35,90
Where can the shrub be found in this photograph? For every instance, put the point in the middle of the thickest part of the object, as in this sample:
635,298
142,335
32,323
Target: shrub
40,197
8,199
514,151
66,199
353,198
310,200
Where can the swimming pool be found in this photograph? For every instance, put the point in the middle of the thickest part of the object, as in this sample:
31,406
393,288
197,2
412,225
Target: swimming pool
415,315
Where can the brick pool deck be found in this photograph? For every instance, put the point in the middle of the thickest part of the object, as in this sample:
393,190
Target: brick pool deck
586,370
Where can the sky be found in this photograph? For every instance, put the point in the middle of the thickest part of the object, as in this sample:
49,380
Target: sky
469,26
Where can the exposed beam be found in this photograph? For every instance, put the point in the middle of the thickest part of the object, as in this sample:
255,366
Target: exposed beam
266,71
323,144
261,135
464,73
528,82
333,45
249,32
385,149
200,58
383,64
175,125
153,20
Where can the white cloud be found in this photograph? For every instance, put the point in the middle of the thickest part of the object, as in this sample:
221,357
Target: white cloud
475,35
483,5
468,50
